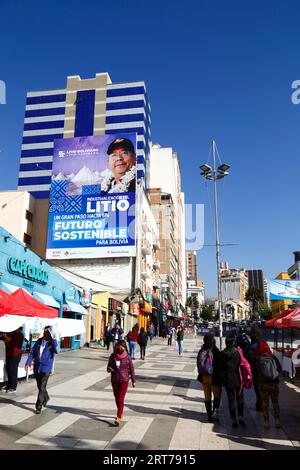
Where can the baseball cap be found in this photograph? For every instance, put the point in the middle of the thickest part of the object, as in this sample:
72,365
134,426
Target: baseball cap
126,144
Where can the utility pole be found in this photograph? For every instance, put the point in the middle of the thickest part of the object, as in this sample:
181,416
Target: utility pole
214,174
217,241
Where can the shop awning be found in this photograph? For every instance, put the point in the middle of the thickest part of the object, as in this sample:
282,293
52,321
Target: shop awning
76,308
8,288
40,310
46,299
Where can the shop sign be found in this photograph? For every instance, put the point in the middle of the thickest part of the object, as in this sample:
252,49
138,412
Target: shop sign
135,309
86,298
27,271
114,305
147,307
149,297
70,294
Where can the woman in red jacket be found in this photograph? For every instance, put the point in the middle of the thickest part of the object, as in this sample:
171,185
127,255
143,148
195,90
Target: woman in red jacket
120,366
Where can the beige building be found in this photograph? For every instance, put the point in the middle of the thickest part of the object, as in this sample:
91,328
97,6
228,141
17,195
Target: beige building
165,176
162,207
234,285
191,265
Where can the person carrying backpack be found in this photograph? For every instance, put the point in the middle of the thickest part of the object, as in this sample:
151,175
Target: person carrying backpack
120,366
268,370
230,361
208,364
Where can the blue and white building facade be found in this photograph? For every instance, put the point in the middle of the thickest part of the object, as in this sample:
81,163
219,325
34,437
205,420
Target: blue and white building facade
85,107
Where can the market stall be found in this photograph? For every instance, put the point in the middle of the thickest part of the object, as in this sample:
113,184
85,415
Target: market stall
22,310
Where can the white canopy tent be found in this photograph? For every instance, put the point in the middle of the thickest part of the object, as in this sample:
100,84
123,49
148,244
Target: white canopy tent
63,327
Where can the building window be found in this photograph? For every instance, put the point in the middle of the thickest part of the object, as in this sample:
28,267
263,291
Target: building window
29,216
27,239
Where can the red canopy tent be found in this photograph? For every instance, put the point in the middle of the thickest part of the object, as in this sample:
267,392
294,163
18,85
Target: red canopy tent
21,303
13,306
41,310
275,322
292,320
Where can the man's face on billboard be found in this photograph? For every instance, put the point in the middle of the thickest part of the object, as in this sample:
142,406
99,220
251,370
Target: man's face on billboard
120,161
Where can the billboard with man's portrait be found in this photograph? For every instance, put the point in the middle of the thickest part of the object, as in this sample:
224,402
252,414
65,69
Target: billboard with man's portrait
92,197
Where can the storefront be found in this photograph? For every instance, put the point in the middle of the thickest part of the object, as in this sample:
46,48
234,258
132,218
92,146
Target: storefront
21,268
116,312
145,315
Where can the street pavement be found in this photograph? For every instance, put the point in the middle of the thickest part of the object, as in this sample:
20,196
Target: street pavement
165,410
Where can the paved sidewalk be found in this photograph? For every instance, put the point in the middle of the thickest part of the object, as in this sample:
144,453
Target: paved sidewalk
165,410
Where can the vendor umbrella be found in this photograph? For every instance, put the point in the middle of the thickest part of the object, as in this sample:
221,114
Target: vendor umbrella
291,320
275,322
41,310
11,306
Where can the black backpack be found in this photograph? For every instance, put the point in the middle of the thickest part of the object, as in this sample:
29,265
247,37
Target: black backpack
267,369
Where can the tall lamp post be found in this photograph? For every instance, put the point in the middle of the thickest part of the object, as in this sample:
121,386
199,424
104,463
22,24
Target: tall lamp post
214,174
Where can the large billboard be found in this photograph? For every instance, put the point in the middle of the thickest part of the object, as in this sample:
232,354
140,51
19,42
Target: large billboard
92,197
284,289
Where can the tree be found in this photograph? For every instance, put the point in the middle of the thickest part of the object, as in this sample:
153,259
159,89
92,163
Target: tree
265,312
207,312
193,303
255,296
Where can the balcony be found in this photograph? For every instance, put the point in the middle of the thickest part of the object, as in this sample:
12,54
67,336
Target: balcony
145,273
145,226
146,248
156,264
156,244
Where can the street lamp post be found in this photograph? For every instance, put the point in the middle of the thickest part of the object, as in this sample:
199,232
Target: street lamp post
214,174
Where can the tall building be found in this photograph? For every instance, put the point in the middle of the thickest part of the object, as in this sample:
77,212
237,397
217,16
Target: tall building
191,265
294,270
165,174
162,207
93,106
256,279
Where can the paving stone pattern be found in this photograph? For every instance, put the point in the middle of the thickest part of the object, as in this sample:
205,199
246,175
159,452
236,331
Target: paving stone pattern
165,410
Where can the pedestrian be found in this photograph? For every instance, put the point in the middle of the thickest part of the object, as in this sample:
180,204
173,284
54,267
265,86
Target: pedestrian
195,331
116,333
243,341
230,360
209,374
143,340
151,332
13,353
132,339
169,335
255,340
268,370
120,366
107,336
42,357
180,335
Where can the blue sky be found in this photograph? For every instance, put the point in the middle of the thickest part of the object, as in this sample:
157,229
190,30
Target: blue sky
213,69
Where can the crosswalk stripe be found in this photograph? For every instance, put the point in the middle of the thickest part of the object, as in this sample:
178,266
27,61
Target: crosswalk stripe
130,435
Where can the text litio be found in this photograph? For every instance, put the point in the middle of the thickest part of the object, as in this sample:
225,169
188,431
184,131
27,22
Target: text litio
106,206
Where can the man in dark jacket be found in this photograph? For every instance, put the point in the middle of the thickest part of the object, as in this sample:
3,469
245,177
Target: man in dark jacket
13,353
42,357
210,379
116,333
229,365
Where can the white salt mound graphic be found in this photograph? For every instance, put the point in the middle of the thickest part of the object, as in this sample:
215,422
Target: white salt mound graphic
85,176
59,177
